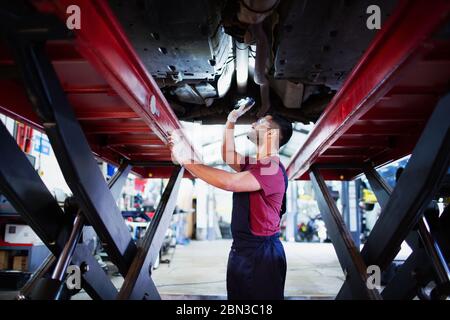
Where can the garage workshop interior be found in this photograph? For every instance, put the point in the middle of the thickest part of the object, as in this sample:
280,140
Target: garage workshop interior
225,150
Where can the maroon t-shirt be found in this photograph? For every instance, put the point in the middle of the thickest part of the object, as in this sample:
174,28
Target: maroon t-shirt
265,204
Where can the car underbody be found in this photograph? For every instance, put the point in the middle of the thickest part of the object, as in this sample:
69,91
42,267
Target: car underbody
297,53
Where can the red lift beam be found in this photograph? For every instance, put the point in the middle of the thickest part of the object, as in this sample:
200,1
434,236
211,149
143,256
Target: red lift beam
113,95
379,113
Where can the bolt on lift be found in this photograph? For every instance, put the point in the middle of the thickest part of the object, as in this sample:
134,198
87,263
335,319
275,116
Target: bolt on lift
88,91
395,102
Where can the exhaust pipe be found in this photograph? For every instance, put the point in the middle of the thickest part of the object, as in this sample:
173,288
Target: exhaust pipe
262,55
241,66
254,13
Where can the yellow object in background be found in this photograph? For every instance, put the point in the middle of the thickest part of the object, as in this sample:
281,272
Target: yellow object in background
369,196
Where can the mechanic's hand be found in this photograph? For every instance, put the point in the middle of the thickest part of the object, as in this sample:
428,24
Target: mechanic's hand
181,153
235,114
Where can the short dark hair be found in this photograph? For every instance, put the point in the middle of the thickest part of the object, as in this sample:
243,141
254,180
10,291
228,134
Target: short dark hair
285,128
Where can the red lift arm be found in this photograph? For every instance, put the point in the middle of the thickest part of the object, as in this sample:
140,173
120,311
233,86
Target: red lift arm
120,107
379,113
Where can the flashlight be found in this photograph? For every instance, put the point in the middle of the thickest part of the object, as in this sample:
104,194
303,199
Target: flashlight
246,102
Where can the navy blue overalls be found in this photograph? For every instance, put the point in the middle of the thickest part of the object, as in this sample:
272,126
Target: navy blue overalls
256,264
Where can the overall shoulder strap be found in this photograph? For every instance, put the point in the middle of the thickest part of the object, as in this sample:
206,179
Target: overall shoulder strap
283,205
286,180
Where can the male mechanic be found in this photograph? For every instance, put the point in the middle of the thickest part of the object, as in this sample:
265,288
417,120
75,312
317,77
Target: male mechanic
257,262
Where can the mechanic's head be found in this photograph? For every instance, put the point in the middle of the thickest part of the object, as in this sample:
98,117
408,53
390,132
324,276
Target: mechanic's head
270,130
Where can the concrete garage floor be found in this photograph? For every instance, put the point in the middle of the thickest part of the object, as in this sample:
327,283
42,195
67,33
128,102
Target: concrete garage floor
200,269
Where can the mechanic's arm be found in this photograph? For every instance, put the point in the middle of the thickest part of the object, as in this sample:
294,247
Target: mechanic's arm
236,182
229,154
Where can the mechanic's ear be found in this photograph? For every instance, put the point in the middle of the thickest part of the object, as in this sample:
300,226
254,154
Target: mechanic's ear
273,132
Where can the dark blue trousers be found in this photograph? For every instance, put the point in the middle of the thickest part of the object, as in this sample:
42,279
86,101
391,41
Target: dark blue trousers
257,272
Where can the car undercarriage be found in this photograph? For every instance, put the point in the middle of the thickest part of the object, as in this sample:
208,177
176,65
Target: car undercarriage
291,56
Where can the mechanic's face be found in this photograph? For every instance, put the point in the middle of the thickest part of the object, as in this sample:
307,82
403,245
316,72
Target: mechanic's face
260,129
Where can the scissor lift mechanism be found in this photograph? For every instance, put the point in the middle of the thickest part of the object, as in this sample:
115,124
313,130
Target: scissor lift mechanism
377,117
395,102
140,121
